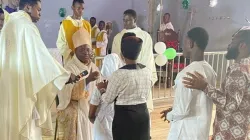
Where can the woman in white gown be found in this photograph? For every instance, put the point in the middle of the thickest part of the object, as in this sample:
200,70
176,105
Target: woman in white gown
101,114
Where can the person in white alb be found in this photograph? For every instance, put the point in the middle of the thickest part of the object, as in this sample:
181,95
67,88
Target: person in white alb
100,113
94,30
166,23
101,42
69,26
102,39
146,56
191,114
128,88
29,77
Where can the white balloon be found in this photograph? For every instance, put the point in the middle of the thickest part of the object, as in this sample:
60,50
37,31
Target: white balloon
161,60
160,47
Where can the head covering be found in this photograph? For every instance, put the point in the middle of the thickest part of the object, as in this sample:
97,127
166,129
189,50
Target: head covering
81,37
111,63
131,46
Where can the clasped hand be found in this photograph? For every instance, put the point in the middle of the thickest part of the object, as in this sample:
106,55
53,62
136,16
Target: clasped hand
102,86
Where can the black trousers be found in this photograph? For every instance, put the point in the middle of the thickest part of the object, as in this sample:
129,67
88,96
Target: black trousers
131,122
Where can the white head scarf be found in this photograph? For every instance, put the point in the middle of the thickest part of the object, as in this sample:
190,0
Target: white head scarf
111,63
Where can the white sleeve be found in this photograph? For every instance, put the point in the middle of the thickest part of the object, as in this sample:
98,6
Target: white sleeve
96,97
62,44
181,110
116,46
170,26
161,27
147,57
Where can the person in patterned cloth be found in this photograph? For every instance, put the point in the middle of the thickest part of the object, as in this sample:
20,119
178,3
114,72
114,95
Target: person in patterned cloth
232,121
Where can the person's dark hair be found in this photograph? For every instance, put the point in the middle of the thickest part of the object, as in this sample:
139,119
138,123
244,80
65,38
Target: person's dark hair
131,46
244,35
101,22
167,14
1,11
131,12
22,3
199,36
77,1
93,18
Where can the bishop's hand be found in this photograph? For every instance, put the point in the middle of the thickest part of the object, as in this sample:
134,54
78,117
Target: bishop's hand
92,76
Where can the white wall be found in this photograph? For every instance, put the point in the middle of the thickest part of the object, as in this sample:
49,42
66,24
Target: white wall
107,10
220,31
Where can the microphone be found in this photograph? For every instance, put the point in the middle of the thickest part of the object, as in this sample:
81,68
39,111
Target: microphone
82,74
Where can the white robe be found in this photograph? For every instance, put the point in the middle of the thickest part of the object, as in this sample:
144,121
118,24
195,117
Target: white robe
105,114
146,56
164,26
29,80
192,109
103,44
84,126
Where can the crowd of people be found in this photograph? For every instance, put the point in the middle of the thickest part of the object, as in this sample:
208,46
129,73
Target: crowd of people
113,103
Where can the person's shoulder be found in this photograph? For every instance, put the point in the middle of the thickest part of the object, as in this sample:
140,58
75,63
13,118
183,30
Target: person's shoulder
86,23
22,24
120,73
69,66
68,18
145,34
118,36
65,21
145,70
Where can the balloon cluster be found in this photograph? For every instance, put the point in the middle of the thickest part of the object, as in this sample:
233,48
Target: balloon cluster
62,12
163,53
185,4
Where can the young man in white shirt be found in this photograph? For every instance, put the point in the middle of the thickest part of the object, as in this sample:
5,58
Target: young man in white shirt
166,23
190,116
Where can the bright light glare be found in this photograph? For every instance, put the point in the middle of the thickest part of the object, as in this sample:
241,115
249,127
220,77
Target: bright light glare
213,3
158,7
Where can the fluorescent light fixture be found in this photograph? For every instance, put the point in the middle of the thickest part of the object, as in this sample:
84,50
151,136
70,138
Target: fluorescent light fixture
213,3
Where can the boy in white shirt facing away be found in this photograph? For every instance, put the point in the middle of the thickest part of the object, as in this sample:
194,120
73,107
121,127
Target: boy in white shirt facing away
101,114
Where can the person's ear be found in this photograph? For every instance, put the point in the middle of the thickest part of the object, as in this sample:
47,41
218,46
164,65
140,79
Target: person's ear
29,8
26,8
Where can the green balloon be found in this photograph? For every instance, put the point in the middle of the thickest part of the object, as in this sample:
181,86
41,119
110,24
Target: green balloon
62,12
185,4
170,53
